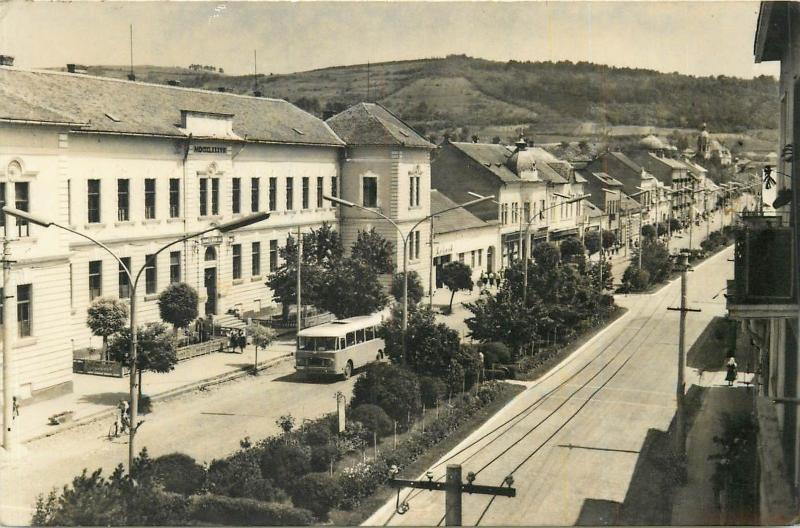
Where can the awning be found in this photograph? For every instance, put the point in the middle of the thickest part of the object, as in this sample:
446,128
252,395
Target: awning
561,233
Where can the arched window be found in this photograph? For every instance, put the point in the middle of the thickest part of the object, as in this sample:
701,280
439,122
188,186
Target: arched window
14,170
211,254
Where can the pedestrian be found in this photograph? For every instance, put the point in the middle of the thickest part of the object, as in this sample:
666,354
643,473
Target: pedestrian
233,340
731,365
14,407
482,280
242,341
491,279
123,418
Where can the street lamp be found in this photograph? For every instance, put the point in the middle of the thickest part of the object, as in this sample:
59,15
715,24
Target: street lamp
405,237
641,212
527,242
222,228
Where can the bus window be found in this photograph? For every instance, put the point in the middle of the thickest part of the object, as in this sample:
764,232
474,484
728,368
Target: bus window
370,333
342,346
325,343
360,335
351,338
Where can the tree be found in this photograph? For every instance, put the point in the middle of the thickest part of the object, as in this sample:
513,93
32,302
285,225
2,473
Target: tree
261,337
674,224
496,140
648,231
607,277
370,247
391,387
635,279
177,305
573,250
415,289
655,259
503,317
156,349
547,255
592,241
609,239
105,317
351,288
456,276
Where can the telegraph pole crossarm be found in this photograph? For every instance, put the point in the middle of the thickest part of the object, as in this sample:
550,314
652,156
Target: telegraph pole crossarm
454,488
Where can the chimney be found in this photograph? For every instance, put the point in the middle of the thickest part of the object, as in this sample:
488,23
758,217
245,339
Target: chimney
221,89
6,60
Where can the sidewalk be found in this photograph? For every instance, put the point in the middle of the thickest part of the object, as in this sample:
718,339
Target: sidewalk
96,397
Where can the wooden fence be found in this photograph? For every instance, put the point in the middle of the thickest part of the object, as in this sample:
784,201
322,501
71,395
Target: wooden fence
201,349
99,367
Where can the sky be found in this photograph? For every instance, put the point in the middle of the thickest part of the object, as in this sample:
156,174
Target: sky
697,38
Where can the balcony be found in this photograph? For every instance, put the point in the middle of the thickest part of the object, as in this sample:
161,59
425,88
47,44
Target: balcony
762,287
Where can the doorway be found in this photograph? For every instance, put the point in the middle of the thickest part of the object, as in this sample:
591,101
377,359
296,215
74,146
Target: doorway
210,283
438,264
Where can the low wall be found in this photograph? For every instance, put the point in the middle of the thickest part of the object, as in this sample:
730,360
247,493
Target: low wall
98,367
201,349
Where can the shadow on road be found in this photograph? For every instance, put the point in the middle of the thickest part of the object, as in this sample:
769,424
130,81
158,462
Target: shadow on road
655,479
296,377
708,353
104,398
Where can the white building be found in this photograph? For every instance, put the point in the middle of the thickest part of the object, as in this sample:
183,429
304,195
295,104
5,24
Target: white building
136,165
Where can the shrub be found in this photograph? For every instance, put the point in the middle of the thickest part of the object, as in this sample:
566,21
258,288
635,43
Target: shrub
495,352
321,456
179,473
635,279
285,462
240,476
215,509
360,480
373,418
145,405
320,431
431,390
317,492
393,388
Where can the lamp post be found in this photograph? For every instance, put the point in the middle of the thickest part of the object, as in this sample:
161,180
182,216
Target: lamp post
527,230
405,237
222,228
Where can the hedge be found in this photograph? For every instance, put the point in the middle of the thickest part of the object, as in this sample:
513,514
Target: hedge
217,509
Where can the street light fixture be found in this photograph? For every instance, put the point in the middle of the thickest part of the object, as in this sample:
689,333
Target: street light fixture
222,228
405,237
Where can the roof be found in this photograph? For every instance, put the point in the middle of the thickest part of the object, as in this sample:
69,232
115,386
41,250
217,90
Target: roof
342,326
771,30
455,220
592,211
117,106
605,179
625,160
497,158
367,124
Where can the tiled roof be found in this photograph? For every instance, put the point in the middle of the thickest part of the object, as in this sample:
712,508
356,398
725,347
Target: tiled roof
495,157
673,164
606,179
455,220
372,124
592,211
125,107
626,161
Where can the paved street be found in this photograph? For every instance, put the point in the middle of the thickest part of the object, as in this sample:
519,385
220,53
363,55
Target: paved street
602,401
203,424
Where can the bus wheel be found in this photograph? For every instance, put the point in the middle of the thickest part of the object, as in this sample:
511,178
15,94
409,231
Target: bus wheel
348,370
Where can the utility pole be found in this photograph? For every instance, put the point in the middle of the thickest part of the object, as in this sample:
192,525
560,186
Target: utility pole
9,436
453,487
430,268
680,415
299,280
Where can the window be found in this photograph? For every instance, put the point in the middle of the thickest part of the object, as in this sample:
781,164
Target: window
514,212
95,279
289,194
237,261
2,203
416,244
150,274
273,193
369,190
22,201
69,202
256,253
351,338
203,196
472,258
149,198
334,187
370,332
413,192
526,211
174,267
24,312
320,186
124,282
480,257
255,189
305,193
413,245
461,257
214,196
174,197
93,194
273,255
123,200
236,195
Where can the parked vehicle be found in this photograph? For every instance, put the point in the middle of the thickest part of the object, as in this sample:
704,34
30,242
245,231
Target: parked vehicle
340,347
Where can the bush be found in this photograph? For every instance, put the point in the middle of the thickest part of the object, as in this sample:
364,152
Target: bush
495,352
285,462
361,480
240,476
216,509
431,390
321,431
179,473
635,279
321,456
317,492
145,405
393,388
373,418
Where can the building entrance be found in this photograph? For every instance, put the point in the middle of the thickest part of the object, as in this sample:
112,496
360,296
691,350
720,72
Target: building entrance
210,283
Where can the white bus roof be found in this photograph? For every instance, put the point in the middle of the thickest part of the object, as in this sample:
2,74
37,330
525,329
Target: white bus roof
340,327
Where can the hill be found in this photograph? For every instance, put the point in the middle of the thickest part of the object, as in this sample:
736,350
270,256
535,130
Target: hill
545,98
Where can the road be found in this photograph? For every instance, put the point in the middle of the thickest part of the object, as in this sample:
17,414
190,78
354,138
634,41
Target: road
602,401
203,424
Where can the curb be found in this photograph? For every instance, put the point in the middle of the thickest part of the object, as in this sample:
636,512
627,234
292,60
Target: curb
177,391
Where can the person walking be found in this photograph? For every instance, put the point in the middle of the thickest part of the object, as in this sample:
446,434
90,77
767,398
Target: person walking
491,279
233,340
242,341
482,281
732,367
123,418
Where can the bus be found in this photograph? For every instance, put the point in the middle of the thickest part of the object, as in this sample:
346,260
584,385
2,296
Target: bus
340,347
